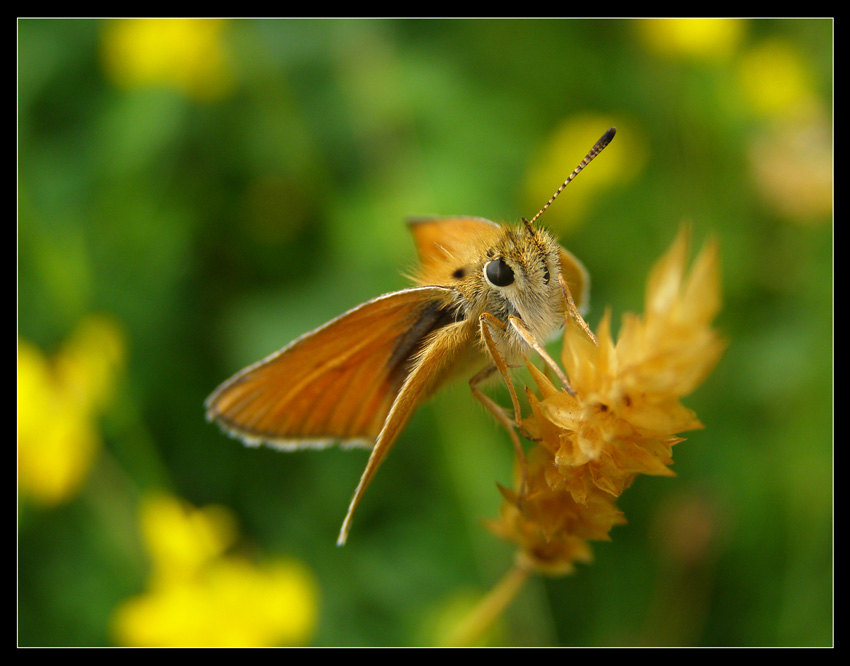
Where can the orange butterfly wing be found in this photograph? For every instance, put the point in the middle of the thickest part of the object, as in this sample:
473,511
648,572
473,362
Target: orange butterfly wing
336,383
445,244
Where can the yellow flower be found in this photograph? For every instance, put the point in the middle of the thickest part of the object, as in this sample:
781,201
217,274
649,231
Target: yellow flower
774,79
181,539
200,597
59,401
802,146
231,603
90,359
701,39
187,54
622,421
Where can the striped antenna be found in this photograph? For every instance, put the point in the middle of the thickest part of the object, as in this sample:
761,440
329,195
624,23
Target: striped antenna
598,147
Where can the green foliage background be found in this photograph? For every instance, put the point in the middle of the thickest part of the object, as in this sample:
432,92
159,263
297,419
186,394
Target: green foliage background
217,231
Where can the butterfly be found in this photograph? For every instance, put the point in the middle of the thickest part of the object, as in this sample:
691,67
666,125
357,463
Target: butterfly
484,295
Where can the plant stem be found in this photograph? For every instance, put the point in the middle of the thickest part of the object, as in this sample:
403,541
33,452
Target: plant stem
470,631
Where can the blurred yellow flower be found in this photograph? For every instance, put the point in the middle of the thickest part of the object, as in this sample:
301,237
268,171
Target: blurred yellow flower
181,539
695,38
774,79
624,418
199,597
187,54
790,155
792,165
573,137
59,401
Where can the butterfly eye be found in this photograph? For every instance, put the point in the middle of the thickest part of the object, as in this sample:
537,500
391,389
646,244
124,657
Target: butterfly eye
499,273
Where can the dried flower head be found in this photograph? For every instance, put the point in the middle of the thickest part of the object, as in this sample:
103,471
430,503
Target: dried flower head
551,527
623,419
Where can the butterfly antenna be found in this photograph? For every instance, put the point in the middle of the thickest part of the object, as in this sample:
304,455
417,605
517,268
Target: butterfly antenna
598,147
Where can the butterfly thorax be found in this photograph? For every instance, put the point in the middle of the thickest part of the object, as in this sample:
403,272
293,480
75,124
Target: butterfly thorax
512,273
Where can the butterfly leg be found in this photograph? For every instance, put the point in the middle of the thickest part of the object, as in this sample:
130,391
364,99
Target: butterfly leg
486,321
517,324
573,310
